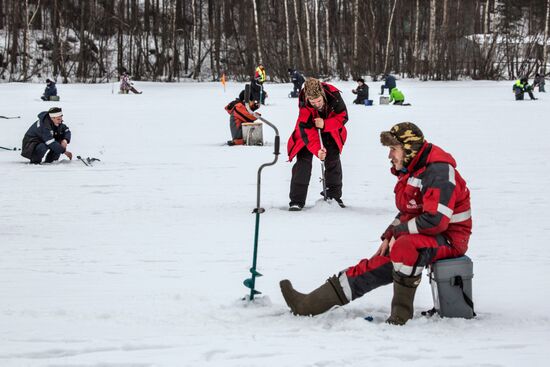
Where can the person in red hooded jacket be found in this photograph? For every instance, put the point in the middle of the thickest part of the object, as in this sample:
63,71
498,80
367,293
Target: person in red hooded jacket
238,113
321,109
434,222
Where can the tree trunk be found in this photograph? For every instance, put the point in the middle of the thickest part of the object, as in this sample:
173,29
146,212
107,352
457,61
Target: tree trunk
431,38
257,29
416,49
26,41
545,48
308,38
300,43
316,9
287,26
355,36
389,37
486,26
80,74
327,42
199,42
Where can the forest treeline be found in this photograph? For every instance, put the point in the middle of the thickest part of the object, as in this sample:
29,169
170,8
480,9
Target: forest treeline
168,40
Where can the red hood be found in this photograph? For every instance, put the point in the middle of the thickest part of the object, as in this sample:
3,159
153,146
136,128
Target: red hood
429,153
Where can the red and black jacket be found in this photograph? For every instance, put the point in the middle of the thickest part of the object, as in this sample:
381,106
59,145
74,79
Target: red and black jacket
432,198
238,110
305,133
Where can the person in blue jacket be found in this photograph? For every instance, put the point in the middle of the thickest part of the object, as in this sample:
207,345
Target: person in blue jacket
47,138
389,83
297,80
51,90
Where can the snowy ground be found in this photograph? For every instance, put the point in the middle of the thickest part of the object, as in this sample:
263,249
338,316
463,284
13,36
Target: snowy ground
139,260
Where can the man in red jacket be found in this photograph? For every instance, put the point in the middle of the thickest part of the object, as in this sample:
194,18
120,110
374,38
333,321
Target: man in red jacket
321,109
434,222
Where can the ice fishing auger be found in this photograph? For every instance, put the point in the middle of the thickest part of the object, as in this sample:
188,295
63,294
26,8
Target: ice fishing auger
251,282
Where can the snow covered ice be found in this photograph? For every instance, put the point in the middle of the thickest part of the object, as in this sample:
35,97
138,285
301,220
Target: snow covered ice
139,260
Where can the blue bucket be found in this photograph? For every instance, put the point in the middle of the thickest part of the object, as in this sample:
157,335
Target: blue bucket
368,102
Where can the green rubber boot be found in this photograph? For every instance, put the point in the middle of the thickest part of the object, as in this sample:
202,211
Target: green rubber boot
318,301
402,308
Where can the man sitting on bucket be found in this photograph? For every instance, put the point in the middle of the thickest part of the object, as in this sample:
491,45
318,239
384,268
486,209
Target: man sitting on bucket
434,222
237,115
47,138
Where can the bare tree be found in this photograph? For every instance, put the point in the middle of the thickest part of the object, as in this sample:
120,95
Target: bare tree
431,37
287,28
545,47
300,43
257,29
389,36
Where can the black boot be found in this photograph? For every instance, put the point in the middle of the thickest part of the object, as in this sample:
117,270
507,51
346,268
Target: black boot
318,301
402,308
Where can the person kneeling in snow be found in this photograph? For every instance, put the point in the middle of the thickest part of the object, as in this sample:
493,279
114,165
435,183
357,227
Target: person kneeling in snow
237,115
434,222
398,97
126,85
49,91
47,138
521,86
362,92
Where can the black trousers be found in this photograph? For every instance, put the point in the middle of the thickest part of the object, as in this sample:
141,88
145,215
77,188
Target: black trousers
43,154
301,173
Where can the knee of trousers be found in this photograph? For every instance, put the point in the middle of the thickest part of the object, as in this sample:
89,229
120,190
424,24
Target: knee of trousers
404,255
39,152
344,283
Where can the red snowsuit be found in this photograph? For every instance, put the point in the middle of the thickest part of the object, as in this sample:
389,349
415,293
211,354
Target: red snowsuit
434,222
305,133
238,114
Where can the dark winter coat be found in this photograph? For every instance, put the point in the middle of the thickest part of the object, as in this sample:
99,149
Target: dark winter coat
362,94
389,82
305,133
257,92
51,90
44,131
297,78
432,198
521,86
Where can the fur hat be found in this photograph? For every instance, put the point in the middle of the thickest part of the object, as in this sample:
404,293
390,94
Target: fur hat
406,134
313,89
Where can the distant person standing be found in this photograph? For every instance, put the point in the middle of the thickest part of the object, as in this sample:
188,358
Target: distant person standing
126,85
320,131
297,80
539,81
259,74
51,90
389,83
362,92
47,138
257,91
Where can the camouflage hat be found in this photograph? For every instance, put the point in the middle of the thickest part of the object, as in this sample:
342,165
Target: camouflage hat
406,134
313,89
